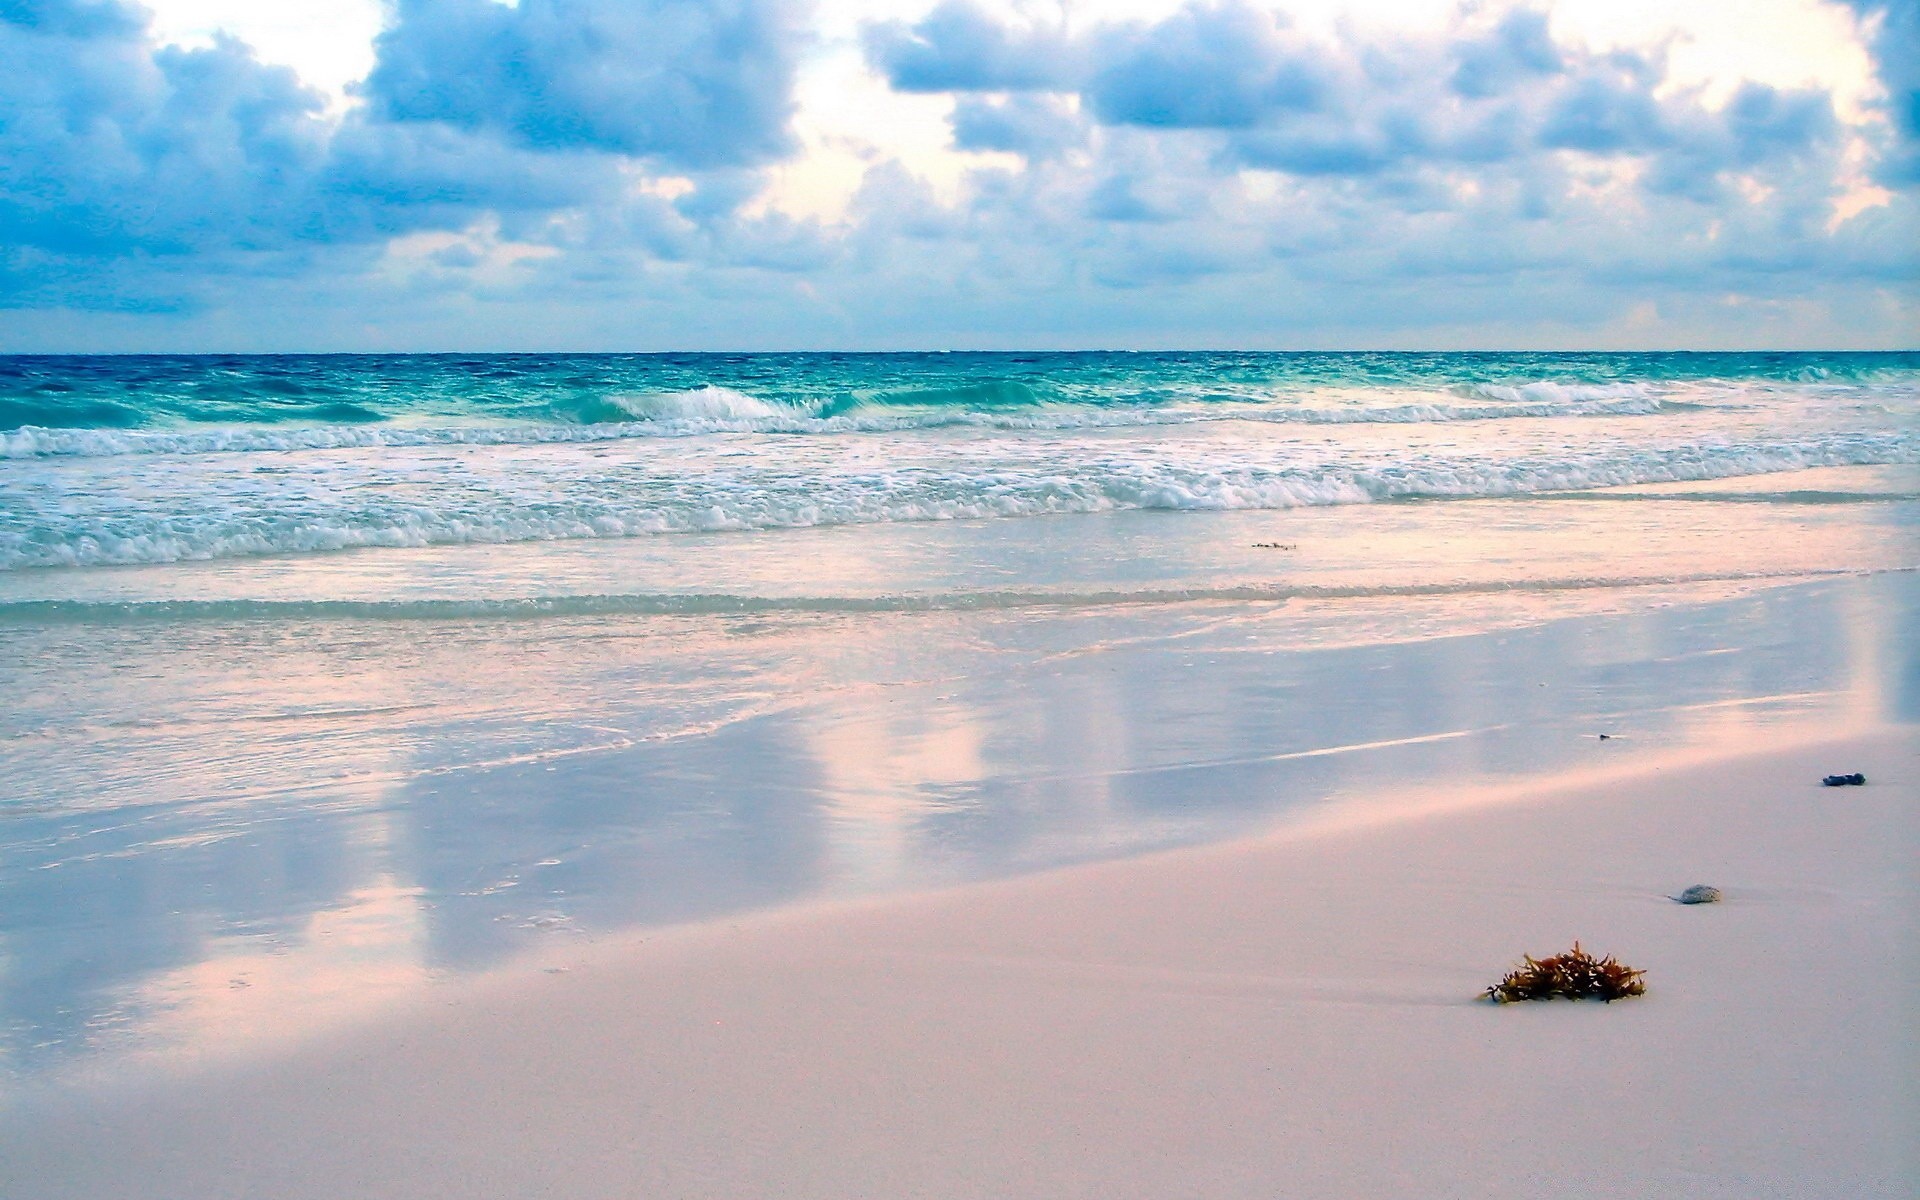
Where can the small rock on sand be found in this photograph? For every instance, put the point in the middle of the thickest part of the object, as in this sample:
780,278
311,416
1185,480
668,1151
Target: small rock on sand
1700,893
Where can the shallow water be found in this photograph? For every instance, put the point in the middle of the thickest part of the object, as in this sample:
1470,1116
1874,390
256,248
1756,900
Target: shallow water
221,830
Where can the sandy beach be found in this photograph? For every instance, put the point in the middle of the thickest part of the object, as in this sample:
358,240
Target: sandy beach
409,888
958,599
1289,1015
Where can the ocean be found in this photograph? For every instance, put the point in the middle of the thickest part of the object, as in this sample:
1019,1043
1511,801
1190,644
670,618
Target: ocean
325,678
168,459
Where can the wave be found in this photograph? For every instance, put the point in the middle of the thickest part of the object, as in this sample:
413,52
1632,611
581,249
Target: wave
707,404
984,394
715,410
730,604
67,412
215,525
1554,392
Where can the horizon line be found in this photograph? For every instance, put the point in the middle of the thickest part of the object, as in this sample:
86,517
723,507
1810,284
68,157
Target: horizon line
765,352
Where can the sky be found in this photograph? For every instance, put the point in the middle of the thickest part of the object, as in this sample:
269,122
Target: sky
228,175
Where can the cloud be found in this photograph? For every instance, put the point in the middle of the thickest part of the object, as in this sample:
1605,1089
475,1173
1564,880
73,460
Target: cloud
1518,49
1118,198
1498,90
1493,155
1219,66
118,154
960,47
381,178
1036,126
72,18
109,146
1895,44
698,83
586,172
1760,130
1609,110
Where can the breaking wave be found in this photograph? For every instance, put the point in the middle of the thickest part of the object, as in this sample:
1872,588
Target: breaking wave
208,525
719,410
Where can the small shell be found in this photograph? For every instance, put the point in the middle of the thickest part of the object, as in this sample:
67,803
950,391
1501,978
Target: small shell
1700,893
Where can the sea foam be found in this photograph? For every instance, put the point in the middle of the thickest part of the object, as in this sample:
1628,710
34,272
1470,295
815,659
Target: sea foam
717,410
222,516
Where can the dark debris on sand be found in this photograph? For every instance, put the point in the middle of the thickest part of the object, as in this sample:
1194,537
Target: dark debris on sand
1575,975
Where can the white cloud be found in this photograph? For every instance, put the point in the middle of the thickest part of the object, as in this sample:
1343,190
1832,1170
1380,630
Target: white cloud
1348,173
329,42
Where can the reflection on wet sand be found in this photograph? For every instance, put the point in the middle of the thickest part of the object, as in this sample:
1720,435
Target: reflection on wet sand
348,959
191,880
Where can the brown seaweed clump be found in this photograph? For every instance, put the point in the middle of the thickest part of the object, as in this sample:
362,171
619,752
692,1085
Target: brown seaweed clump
1575,975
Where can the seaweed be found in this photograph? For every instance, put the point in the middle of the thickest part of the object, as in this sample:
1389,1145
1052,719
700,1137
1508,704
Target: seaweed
1576,975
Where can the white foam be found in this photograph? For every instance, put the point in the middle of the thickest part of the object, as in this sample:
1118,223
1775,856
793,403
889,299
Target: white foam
700,407
1564,395
220,515
716,410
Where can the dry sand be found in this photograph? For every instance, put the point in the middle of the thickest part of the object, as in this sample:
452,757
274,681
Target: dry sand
1291,1016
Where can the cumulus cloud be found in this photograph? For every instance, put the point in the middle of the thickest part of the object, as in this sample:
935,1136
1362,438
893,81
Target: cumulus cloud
1222,66
960,47
115,151
1518,49
695,82
110,147
72,18
1036,126
626,170
1895,43
1499,95
1495,164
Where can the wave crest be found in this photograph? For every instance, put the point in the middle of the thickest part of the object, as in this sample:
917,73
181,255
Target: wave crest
240,523
713,410
1554,392
699,407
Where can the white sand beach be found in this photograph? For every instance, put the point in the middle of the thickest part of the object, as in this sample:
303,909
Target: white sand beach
1115,855
1291,1015
957,600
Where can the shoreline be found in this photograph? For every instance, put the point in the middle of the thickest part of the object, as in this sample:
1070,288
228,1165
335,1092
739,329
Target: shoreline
1291,1011
319,846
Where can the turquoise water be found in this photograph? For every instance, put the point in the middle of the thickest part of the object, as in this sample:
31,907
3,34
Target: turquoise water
598,394
150,460
184,392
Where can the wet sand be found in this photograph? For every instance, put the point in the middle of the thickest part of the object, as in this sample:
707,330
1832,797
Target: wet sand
1288,1015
